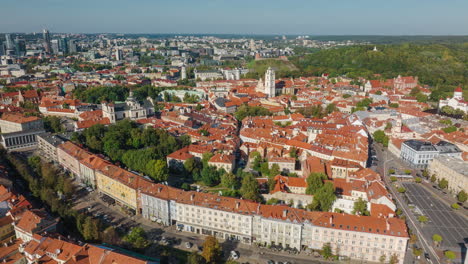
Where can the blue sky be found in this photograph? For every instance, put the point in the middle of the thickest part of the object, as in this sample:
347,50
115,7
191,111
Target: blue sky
326,17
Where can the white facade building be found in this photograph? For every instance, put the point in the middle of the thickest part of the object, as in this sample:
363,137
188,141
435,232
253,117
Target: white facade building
456,102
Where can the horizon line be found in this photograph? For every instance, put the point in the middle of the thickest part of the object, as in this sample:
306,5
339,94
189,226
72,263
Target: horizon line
251,34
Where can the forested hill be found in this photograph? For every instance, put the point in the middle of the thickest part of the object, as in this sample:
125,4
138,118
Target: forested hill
440,66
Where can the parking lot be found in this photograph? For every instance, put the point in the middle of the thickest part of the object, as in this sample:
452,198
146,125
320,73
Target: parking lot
442,219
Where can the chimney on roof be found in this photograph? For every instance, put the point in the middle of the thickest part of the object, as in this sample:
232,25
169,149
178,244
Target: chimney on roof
237,205
285,213
159,189
192,196
331,219
387,224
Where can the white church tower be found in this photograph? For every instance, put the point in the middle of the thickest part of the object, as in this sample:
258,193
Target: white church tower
270,88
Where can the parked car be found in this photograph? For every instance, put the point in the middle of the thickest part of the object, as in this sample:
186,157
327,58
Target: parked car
234,255
188,245
427,257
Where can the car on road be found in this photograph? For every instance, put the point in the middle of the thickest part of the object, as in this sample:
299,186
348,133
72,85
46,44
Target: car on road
270,262
427,257
234,255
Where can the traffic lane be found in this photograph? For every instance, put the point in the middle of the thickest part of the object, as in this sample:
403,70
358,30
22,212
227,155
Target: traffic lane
432,204
442,220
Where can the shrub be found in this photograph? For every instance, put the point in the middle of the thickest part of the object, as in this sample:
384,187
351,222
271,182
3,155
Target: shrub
423,219
401,189
455,206
450,254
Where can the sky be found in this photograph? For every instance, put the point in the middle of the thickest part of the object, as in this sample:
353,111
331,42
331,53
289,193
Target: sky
310,17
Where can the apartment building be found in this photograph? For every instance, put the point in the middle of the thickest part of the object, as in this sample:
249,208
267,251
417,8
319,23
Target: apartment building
358,237
69,156
118,184
222,217
454,170
47,144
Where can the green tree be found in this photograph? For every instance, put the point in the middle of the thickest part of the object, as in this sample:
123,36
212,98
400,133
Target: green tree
137,238
437,239
331,108
192,165
35,162
443,183
110,236
380,137
360,207
315,182
211,250
393,259
425,173
195,258
327,251
382,259
53,124
210,175
245,110
206,157
325,196
433,178
417,251
450,254
272,201
274,170
293,152
401,189
423,219
90,229
229,180
462,196
418,180
157,169
249,188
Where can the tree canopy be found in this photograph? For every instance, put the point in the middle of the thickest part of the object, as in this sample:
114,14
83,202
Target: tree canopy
442,66
142,150
249,189
245,110
211,250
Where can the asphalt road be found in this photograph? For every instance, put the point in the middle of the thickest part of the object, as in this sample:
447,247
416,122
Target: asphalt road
384,162
442,220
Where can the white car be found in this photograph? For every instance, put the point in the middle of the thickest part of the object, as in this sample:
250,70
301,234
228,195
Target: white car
234,255
188,245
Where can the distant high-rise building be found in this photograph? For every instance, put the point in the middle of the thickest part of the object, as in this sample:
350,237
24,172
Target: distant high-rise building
270,87
72,46
20,47
47,43
54,44
118,55
8,42
63,43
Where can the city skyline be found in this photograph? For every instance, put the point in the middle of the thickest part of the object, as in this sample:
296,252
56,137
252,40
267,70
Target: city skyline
261,17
